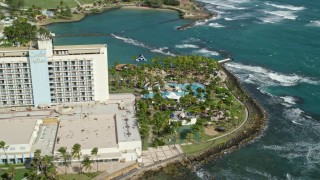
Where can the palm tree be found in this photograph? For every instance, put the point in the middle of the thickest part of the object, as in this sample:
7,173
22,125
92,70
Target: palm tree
36,161
4,147
66,157
76,152
86,162
46,163
10,172
94,152
51,172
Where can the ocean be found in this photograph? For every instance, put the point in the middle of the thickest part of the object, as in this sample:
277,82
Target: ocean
276,50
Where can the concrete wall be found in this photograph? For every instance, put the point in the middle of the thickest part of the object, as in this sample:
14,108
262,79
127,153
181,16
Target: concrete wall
100,67
131,145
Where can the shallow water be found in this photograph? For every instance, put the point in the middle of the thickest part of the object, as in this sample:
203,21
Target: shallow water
276,47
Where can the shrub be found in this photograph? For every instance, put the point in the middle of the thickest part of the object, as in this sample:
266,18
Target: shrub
171,2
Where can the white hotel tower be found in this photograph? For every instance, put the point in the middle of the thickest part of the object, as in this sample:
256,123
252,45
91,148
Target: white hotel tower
53,74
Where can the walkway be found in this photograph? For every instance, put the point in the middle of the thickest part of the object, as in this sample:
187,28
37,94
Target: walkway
77,2
161,153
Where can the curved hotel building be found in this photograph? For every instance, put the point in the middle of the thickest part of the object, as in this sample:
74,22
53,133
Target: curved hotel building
53,74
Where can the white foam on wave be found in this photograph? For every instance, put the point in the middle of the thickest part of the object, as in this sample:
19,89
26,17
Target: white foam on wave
264,77
191,40
130,41
191,46
205,21
227,4
228,19
289,7
289,99
215,25
284,14
206,52
314,23
163,50
263,174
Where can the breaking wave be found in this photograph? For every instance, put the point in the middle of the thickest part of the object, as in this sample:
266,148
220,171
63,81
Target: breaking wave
289,7
216,25
264,77
130,41
314,23
288,101
191,46
206,52
163,51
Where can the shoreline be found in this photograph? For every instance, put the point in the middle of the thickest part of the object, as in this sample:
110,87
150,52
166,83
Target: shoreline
183,14
252,130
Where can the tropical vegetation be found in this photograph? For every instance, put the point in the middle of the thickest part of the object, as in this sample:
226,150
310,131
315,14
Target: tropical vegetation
214,106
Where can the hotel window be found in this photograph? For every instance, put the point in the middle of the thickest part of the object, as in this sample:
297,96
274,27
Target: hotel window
22,148
12,148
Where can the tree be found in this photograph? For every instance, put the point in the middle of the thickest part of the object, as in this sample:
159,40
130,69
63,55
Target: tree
4,147
15,4
76,152
94,152
86,162
20,32
10,172
36,161
153,3
66,157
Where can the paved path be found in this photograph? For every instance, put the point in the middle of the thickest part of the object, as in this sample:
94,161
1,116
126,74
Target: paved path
159,154
77,2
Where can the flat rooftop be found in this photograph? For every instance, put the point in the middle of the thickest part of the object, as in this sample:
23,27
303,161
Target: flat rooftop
89,46
16,131
99,125
23,113
14,49
90,131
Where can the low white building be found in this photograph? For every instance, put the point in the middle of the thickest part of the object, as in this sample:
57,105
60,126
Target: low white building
184,118
106,126
23,137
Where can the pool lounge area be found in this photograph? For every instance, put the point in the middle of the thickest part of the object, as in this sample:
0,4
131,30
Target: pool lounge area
177,91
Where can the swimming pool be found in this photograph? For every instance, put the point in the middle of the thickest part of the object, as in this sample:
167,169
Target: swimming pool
182,92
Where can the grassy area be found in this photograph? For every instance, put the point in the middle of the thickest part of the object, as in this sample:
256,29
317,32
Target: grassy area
75,17
87,1
121,89
50,3
195,148
15,165
86,176
19,173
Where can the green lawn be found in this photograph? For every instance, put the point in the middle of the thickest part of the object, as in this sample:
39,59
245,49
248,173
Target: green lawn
50,3
86,176
87,1
19,173
195,148
75,17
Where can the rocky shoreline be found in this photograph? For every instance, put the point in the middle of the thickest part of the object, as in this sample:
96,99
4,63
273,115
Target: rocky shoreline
252,129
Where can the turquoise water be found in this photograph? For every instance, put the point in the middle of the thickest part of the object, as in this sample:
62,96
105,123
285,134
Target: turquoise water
276,50
181,93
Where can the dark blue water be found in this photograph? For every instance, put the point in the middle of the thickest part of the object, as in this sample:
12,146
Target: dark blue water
276,47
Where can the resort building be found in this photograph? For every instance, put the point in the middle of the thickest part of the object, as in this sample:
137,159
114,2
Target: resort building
110,126
48,75
184,118
23,137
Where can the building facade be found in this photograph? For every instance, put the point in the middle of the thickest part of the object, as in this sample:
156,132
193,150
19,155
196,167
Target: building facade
53,74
